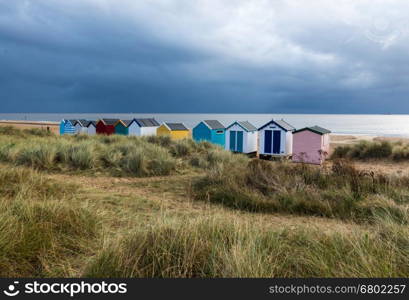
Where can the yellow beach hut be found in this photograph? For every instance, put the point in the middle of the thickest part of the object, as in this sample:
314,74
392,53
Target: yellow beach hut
176,131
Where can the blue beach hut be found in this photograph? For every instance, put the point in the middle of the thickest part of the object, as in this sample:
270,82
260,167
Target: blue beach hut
67,127
210,130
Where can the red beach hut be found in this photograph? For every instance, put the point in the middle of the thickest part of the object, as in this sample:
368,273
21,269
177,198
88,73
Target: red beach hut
106,126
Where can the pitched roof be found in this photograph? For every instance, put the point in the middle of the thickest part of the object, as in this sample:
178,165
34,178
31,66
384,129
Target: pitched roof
316,129
176,126
214,124
92,123
110,121
126,123
246,125
281,123
285,125
83,123
147,122
73,122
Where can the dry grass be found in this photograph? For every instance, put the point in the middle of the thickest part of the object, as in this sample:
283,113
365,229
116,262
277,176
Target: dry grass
254,219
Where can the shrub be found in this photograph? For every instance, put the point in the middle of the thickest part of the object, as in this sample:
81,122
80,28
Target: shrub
161,140
134,163
37,156
365,150
82,156
181,148
267,187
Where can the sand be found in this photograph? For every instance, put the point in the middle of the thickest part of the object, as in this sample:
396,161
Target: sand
53,126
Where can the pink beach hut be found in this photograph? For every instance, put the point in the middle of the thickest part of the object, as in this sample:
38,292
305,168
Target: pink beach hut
311,145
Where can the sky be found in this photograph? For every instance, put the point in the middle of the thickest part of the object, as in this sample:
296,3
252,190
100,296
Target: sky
204,56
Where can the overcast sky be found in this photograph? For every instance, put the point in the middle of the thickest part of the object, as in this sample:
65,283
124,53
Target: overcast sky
225,56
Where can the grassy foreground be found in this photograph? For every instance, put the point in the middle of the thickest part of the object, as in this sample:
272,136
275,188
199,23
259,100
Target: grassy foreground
151,207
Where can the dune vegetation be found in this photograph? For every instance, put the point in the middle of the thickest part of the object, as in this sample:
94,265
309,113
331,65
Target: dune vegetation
152,207
375,150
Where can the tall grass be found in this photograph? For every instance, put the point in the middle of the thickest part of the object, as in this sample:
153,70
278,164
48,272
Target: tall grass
116,155
342,192
217,247
373,150
41,229
26,184
37,235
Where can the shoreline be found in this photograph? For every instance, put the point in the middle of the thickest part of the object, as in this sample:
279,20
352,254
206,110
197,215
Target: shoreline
336,138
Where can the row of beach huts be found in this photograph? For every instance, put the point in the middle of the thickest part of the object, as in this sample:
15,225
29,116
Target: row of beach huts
276,138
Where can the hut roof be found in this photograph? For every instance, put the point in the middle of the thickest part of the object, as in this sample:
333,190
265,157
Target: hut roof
82,122
176,126
110,121
316,129
92,123
247,125
126,123
281,123
214,124
73,122
147,122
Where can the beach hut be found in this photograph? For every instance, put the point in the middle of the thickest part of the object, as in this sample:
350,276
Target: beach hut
176,131
311,145
241,136
106,126
92,128
81,126
121,127
143,127
210,130
67,126
275,139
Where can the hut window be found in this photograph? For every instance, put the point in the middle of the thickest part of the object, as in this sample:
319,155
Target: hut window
219,131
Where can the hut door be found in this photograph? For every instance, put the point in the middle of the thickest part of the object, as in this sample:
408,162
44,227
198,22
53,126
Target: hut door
276,141
239,141
267,141
233,140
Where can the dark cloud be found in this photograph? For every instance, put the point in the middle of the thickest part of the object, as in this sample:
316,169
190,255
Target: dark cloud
206,56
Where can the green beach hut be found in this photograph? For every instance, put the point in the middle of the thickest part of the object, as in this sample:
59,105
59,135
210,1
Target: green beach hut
121,127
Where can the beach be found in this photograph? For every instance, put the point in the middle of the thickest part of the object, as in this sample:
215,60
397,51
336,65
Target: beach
54,127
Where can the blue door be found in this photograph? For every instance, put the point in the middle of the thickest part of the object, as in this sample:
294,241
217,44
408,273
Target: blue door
276,141
233,140
267,141
239,141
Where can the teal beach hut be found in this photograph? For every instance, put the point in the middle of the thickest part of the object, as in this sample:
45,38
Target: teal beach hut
210,130
67,126
121,127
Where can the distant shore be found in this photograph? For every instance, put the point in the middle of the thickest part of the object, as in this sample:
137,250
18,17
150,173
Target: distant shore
52,126
336,139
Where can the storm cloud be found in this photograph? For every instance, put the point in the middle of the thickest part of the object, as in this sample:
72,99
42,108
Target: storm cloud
210,56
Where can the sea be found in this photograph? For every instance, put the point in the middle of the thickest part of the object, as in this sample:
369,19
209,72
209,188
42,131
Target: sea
372,125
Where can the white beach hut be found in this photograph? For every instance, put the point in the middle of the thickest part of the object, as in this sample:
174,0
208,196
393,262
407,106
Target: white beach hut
142,127
276,139
81,127
241,136
92,128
